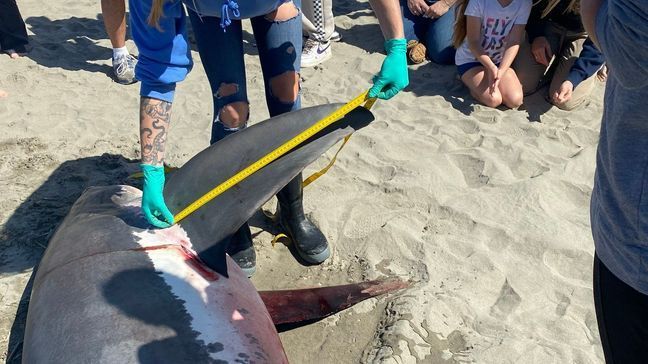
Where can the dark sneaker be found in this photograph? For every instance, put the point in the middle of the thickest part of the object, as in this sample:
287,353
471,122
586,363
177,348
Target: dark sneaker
241,250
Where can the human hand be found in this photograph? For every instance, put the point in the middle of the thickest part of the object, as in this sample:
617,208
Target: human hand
437,9
564,93
541,50
393,76
153,205
493,74
417,7
602,74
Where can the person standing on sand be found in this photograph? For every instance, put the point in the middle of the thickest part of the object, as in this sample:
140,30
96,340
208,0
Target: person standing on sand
319,25
123,63
487,35
159,30
619,206
13,35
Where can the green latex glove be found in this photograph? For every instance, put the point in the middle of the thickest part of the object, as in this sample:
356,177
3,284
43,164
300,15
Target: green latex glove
392,77
153,205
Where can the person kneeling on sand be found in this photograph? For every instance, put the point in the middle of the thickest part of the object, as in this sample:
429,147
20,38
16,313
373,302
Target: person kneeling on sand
428,30
487,36
559,53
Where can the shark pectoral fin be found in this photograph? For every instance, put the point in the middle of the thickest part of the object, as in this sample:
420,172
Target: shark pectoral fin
356,119
225,206
312,304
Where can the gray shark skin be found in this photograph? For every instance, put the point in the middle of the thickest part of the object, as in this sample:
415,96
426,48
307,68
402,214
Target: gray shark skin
222,160
111,289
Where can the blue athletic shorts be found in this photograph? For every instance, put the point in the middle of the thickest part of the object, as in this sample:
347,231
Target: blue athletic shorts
463,68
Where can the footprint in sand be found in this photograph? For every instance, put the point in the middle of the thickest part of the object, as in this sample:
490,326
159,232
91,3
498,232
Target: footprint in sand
387,173
563,303
472,169
506,303
362,222
468,126
569,263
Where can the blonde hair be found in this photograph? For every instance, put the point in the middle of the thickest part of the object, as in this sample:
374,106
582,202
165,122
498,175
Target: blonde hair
574,6
157,11
460,24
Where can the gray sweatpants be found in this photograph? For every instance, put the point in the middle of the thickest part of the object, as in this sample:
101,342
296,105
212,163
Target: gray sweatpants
317,19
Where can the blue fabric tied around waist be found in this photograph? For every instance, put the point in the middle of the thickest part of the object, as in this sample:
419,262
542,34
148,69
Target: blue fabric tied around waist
225,17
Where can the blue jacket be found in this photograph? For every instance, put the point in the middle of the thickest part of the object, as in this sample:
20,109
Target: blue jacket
589,61
164,52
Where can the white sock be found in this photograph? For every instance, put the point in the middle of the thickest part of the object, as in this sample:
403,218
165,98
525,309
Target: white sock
120,52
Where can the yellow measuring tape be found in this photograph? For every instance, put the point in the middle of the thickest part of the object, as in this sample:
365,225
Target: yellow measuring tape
275,154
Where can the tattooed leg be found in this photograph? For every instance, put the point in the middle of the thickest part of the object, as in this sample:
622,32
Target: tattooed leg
155,116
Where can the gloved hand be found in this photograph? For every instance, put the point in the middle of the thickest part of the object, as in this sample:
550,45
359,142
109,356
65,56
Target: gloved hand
153,205
392,77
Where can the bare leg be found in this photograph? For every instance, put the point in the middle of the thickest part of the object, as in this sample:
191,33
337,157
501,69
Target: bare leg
511,89
114,14
477,82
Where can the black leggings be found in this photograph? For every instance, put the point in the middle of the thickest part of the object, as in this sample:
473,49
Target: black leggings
12,29
622,314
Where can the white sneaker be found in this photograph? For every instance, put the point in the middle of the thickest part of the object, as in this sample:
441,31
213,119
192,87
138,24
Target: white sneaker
335,36
124,69
315,52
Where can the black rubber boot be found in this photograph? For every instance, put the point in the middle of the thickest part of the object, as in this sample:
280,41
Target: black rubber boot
307,238
242,251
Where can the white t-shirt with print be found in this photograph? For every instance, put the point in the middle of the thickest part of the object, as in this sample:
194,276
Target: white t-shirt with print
496,25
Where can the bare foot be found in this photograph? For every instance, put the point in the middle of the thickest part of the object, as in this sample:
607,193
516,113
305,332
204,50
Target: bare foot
3,94
13,54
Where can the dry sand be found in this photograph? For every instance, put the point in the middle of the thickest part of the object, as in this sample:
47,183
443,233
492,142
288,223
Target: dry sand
486,209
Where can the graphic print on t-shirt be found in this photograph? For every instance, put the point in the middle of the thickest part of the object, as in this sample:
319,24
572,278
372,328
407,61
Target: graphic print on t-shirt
495,31
497,22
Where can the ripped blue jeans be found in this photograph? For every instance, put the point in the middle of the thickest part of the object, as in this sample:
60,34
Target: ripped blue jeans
279,43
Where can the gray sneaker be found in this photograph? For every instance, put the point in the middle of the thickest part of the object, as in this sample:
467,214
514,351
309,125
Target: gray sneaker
124,69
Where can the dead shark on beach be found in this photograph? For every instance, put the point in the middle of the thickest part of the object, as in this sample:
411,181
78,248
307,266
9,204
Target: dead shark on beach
111,289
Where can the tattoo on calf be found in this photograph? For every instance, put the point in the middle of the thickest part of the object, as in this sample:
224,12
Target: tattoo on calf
155,116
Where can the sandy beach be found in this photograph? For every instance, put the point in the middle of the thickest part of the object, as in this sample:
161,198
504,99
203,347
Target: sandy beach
487,210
